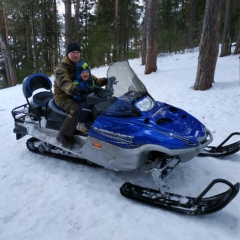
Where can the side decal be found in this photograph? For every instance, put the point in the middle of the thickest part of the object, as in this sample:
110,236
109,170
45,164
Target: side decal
113,135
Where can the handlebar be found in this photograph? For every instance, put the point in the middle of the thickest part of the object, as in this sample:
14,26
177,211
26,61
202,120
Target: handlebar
107,91
110,82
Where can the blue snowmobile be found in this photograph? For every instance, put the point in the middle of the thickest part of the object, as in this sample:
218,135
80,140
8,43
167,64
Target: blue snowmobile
129,130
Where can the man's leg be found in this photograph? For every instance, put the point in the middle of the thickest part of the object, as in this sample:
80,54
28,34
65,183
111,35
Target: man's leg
65,135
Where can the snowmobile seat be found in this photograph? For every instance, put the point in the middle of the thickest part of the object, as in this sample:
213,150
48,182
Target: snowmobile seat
54,113
40,98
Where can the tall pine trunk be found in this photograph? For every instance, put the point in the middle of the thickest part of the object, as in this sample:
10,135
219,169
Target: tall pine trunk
191,21
68,22
76,22
151,37
226,38
11,78
237,48
208,49
144,33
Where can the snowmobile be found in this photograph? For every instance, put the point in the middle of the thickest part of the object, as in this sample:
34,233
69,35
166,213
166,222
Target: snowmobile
129,131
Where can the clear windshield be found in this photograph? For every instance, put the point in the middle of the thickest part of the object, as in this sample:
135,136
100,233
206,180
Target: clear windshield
127,90
126,80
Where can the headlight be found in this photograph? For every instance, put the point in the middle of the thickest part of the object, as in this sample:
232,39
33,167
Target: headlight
145,104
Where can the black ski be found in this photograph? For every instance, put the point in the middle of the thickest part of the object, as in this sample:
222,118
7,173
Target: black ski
221,151
182,204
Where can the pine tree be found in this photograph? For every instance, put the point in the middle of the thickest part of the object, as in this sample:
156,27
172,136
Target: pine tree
208,49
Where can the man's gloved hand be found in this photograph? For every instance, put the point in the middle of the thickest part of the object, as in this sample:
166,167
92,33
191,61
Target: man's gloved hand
91,89
83,91
105,81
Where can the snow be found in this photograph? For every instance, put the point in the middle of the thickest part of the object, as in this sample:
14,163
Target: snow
45,198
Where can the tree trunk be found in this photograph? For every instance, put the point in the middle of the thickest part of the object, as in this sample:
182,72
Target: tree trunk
7,56
76,22
144,33
191,23
33,38
44,45
98,7
117,30
226,38
116,15
56,35
208,49
151,38
237,48
68,23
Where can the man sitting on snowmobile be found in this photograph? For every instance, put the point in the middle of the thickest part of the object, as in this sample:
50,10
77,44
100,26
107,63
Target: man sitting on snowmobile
65,90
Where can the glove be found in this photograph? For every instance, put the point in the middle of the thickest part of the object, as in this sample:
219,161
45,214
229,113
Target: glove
96,89
104,81
92,89
82,91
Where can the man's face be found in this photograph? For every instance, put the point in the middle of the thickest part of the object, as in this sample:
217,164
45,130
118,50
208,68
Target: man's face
85,75
74,56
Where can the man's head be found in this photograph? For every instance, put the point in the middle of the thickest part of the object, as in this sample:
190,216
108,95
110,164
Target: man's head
73,52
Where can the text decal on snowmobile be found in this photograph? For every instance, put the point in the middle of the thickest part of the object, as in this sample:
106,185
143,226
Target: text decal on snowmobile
113,135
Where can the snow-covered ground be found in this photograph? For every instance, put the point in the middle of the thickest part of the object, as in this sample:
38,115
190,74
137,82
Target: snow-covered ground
43,198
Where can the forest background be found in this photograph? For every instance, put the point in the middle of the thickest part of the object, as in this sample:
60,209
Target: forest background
34,33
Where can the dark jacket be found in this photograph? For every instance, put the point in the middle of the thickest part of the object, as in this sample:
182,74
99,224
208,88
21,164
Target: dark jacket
65,74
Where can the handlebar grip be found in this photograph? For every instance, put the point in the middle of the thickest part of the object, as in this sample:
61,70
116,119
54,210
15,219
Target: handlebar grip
110,82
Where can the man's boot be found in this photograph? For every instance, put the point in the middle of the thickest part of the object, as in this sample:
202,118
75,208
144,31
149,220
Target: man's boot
66,141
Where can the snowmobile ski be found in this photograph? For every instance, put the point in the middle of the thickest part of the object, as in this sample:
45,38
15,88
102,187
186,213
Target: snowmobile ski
221,151
183,204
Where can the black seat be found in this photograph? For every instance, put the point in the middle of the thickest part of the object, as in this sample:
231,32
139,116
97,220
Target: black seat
42,98
39,99
54,113
34,82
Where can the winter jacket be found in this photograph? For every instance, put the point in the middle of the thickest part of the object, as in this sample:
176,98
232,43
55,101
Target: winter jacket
65,73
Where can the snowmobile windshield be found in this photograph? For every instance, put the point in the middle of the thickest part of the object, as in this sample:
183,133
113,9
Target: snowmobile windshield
126,80
127,89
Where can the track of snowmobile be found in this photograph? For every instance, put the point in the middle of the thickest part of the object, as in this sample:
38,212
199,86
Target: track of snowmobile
64,157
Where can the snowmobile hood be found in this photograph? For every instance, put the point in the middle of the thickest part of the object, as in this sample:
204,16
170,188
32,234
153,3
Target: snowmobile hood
161,126
133,114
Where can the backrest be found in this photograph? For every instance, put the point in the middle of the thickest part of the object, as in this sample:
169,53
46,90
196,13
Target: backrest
34,82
